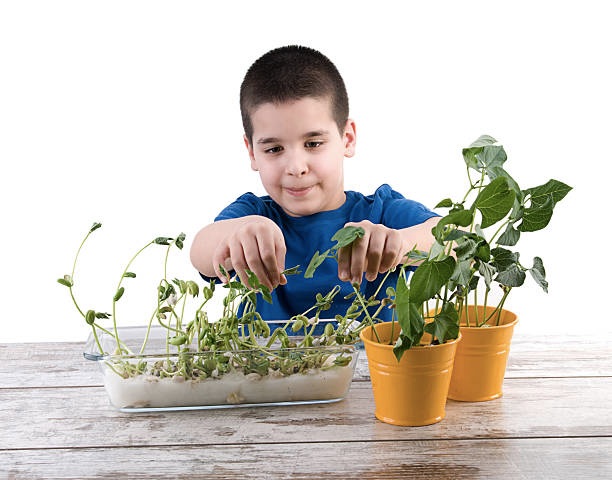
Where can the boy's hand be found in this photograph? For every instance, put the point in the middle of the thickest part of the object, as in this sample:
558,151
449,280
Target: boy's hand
257,245
380,249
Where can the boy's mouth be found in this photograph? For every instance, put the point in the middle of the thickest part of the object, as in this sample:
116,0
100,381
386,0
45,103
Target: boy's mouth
298,192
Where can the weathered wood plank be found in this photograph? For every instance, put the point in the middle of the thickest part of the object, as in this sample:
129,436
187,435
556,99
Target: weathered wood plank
512,459
560,355
81,417
21,364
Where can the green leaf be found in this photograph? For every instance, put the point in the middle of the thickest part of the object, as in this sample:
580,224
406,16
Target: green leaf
90,317
445,325
347,235
402,344
234,285
487,271
340,360
223,271
437,251
537,217
539,274
408,316
539,195
483,141
484,154
417,255
178,340
316,260
497,171
119,294
129,275
510,237
162,240
179,242
514,276
292,271
462,274
473,283
343,238
182,286
428,279
94,227
494,201
471,246
265,293
504,259
461,218
164,291
253,280
192,288
542,202
66,281
446,203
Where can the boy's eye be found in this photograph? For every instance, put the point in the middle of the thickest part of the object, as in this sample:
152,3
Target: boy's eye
273,150
313,144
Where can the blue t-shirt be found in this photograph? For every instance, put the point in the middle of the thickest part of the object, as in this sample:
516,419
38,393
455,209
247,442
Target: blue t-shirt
307,234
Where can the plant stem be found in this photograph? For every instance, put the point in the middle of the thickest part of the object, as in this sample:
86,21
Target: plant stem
114,310
365,311
146,338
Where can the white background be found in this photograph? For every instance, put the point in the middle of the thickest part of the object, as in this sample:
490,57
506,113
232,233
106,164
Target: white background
127,113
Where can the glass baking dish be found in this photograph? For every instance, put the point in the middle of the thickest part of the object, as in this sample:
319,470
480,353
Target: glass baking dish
164,377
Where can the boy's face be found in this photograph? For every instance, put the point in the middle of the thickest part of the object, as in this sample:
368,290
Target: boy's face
299,154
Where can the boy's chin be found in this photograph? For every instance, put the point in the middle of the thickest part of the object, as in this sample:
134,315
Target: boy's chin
299,209
299,212
303,209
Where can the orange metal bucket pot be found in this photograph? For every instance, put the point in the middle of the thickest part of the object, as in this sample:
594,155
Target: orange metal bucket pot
411,392
481,358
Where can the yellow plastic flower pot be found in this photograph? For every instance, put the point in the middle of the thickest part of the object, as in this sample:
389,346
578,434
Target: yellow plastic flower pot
413,391
480,361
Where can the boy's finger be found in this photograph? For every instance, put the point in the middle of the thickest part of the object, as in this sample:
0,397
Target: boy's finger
224,274
344,262
270,257
374,256
255,265
221,258
281,251
358,258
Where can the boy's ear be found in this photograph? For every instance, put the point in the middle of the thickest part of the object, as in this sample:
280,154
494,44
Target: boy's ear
249,148
350,138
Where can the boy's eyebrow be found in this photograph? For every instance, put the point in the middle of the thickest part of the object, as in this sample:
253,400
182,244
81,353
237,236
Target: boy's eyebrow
314,133
267,140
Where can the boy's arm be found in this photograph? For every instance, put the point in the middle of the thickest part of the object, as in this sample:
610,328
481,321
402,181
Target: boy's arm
253,242
382,248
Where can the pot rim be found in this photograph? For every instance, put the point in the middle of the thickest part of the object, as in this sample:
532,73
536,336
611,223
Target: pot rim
383,345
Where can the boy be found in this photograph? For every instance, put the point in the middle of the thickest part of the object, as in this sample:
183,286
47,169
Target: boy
297,128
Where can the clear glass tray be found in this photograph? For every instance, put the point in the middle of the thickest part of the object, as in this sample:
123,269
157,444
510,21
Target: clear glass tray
161,379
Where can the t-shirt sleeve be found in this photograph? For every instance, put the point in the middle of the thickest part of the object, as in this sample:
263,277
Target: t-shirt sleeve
399,211
246,204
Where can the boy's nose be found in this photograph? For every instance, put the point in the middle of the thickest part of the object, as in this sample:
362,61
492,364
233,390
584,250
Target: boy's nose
297,165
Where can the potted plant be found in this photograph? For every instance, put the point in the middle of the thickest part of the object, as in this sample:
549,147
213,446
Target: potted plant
476,242
182,359
410,358
437,338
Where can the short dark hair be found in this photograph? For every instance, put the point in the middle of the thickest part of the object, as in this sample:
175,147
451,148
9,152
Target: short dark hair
291,73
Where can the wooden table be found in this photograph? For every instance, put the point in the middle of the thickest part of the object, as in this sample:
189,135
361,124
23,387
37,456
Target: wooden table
553,422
